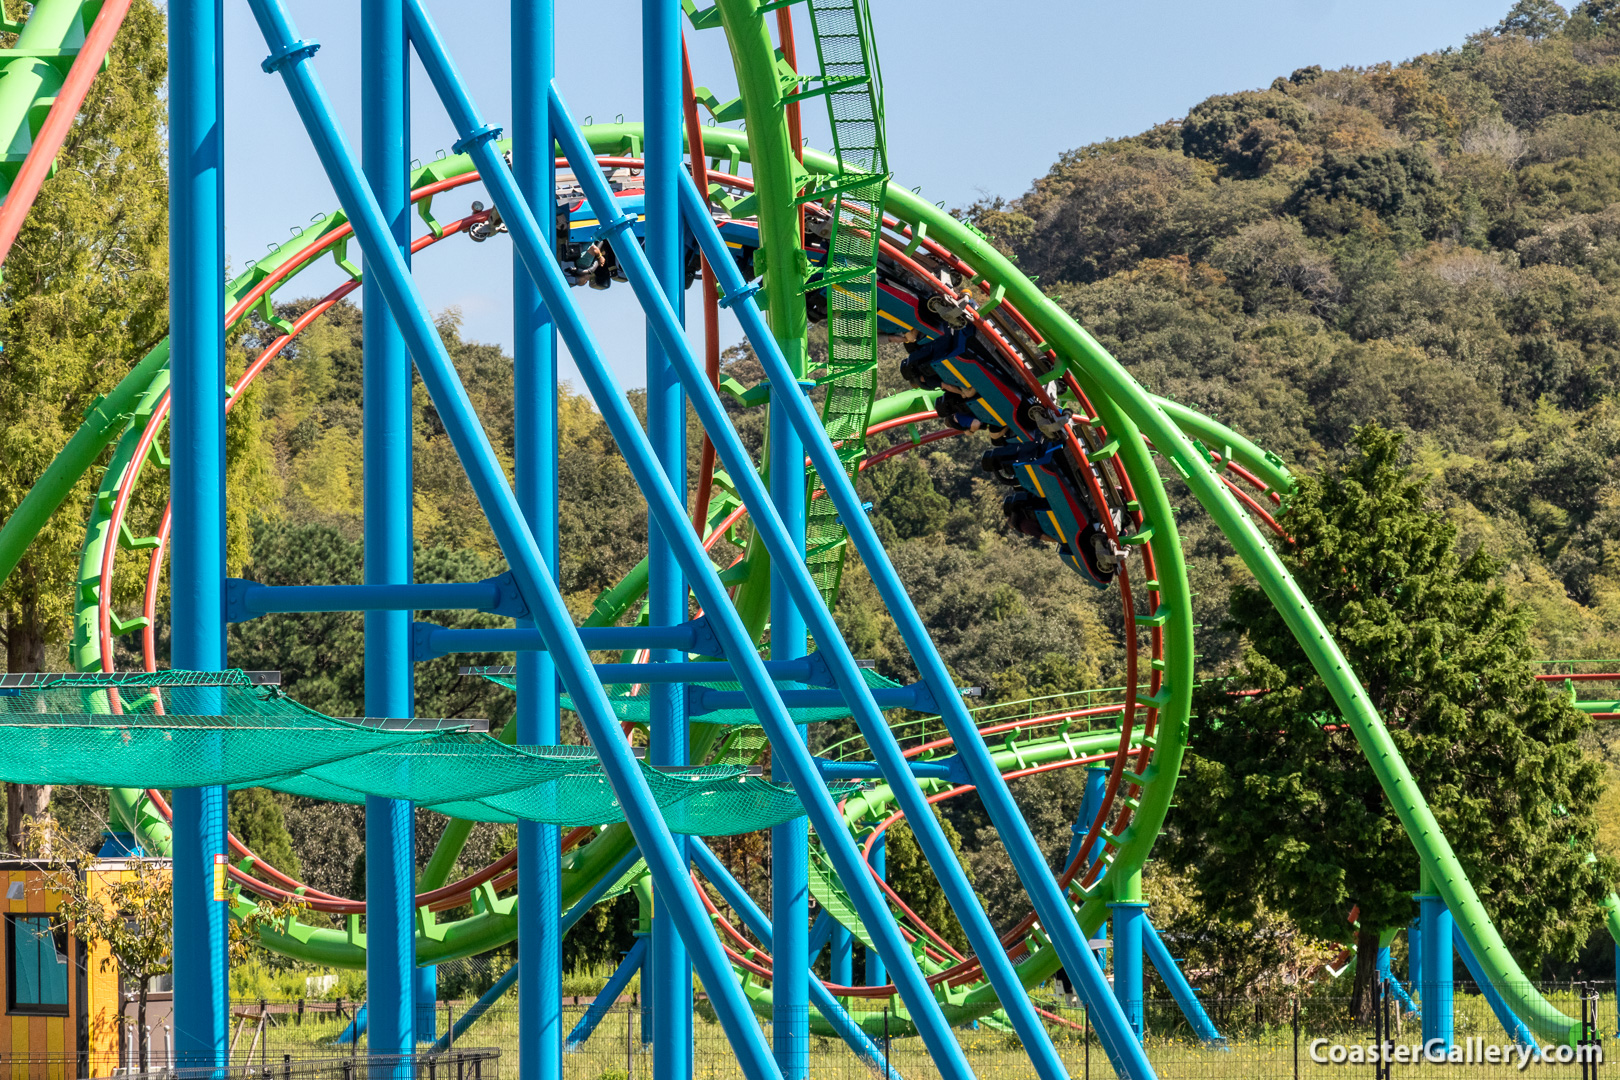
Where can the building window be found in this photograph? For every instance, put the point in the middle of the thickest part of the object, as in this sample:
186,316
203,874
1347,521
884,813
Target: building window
36,965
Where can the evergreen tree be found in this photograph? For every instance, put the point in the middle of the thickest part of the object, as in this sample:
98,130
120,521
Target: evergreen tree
1280,806
257,819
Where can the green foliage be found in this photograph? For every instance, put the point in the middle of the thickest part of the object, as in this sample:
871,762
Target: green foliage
1279,807
258,820
83,298
1534,19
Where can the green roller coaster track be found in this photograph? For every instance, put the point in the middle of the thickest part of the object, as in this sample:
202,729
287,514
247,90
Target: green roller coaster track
1133,419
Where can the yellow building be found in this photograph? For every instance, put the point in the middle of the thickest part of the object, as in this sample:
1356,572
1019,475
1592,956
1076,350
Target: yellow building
63,1003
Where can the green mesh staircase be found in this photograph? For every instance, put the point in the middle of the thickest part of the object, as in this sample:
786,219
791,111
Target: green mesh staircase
853,198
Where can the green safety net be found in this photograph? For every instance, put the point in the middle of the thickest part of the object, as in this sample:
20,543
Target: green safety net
636,707
120,731
742,805
192,730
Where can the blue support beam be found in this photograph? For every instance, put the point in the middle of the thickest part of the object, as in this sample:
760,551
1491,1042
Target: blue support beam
608,996
1414,957
427,1004
1053,909
1517,1029
433,641
477,1009
1186,997
386,434
534,399
1129,916
599,890
1386,972
290,57
1091,801
497,595
820,933
197,490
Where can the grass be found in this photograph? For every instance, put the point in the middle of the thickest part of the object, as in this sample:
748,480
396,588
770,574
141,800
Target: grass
1260,1044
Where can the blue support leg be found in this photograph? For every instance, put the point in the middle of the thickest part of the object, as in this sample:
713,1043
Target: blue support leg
820,934
290,57
534,396
790,842
1414,958
604,1001
476,1011
1517,1029
1129,917
1186,997
669,990
197,488
1435,984
1056,916
1091,801
876,974
386,434
842,972
1386,972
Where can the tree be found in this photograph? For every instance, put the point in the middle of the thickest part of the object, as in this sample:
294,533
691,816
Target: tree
83,298
1534,19
257,818
1279,805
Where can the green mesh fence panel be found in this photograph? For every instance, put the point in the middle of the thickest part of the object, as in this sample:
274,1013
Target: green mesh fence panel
829,892
743,746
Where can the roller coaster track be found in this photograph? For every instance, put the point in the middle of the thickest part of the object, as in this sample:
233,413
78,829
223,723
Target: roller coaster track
1121,430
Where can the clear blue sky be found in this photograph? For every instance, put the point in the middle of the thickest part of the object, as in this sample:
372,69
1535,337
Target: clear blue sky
981,98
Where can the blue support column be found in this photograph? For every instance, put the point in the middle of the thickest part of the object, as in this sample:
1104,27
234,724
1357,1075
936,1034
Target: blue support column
534,394
427,1003
197,488
386,380
790,843
1414,958
1091,801
669,990
843,956
1434,983
876,974
1129,914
